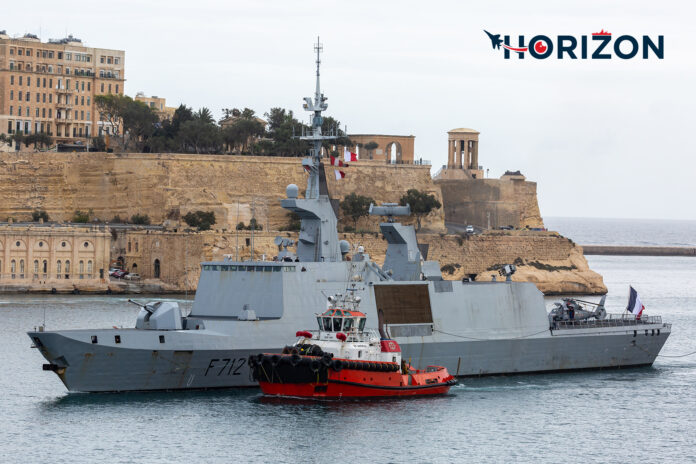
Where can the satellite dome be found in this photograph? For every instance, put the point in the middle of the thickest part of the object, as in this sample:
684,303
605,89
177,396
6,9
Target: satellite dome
291,191
345,246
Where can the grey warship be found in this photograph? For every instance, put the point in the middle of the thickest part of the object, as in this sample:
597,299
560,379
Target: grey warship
247,307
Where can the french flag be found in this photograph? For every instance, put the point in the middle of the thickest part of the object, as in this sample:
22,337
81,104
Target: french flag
349,156
634,304
339,174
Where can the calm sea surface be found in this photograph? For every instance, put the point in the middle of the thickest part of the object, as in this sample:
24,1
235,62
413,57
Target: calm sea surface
633,415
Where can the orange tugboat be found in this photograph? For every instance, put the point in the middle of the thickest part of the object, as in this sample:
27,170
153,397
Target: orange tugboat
344,360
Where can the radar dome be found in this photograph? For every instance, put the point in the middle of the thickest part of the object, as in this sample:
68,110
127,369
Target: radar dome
345,246
291,191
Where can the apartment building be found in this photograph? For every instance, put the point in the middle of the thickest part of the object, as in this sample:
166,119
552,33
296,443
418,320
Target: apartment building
50,86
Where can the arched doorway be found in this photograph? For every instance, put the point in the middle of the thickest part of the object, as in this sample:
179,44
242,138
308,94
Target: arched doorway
120,262
393,153
157,269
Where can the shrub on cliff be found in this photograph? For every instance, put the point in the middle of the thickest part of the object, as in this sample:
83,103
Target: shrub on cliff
421,203
141,219
356,206
201,219
39,214
294,222
253,225
80,217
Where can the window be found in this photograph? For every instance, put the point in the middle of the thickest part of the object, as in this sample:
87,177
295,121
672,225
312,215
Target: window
19,111
28,79
109,88
136,246
10,115
82,269
89,87
117,338
50,110
11,94
129,247
19,95
88,101
11,80
101,59
89,269
37,113
67,268
20,80
116,88
21,268
13,268
20,52
157,269
12,52
161,338
43,113
58,269
102,87
116,60
94,339
50,54
83,87
38,97
50,83
28,51
36,268
82,100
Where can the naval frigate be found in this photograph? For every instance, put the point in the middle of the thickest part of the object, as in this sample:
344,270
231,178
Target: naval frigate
246,307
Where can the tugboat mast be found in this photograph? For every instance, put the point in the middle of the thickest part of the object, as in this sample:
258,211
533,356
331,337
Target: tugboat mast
313,162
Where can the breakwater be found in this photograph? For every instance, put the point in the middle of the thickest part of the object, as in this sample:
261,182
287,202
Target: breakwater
617,250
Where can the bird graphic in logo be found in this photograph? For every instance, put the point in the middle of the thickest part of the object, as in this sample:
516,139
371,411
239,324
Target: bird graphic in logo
496,41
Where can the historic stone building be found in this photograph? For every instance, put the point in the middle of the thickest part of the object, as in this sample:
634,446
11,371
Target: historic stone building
53,256
396,149
50,86
157,104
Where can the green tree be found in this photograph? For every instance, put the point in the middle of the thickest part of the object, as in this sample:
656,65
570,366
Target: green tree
356,206
282,127
80,216
421,203
39,214
138,122
111,108
369,146
141,219
201,219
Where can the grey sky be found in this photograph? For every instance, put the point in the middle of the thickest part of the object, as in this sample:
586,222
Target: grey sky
609,138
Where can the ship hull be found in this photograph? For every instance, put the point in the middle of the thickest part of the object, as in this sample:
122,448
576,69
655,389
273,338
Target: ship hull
86,367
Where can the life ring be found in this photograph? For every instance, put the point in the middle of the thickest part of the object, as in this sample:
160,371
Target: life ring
337,365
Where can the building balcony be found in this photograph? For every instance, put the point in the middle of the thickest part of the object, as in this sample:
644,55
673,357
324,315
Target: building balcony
66,106
64,90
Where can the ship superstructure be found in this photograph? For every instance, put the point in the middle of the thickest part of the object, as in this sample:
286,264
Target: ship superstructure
247,307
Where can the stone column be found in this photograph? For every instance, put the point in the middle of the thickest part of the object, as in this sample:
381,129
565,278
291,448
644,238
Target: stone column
450,154
74,268
475,161
51,242
458,154
6,259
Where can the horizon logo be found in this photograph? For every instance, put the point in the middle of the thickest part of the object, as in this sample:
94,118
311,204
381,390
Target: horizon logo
598,46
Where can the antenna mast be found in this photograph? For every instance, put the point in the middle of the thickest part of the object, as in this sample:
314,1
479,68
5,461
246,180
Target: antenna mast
313,162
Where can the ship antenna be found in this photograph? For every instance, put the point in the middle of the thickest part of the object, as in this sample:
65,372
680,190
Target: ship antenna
316,106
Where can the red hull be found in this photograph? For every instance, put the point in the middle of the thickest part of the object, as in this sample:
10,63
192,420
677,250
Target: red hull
350,383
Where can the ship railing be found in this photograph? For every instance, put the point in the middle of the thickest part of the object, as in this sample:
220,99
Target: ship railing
612,320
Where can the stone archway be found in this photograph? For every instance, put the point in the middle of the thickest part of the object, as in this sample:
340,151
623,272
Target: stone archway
393,153
157,269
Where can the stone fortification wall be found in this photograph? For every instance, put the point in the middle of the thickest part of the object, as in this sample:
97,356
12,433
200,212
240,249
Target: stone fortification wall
509,202
167,186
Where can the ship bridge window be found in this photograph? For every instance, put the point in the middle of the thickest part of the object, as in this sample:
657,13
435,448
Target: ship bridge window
337,323
327,323
268,269
347,323
277,268
288,268
362,323
214,268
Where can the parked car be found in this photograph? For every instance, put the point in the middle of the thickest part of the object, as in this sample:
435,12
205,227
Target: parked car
120,274
132,276
469,229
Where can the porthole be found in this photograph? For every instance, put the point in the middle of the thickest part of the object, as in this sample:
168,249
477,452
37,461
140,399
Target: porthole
86,244
63,244
40,244
17,243
94,339
117,338
161,338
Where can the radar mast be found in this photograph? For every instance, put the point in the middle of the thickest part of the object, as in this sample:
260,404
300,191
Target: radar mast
313,162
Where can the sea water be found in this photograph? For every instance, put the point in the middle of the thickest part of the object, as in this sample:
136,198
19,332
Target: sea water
628,415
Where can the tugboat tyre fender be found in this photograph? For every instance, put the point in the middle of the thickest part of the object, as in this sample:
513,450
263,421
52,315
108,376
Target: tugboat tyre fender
260,358
295,359
337,365
326,360
275,359
314,365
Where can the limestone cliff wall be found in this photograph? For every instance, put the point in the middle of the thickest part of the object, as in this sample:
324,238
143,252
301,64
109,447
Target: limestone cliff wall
508,202
169,185
555,264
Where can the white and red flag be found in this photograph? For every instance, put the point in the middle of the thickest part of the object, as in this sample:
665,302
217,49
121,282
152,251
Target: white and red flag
349,156
339,174
337,162
634,304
